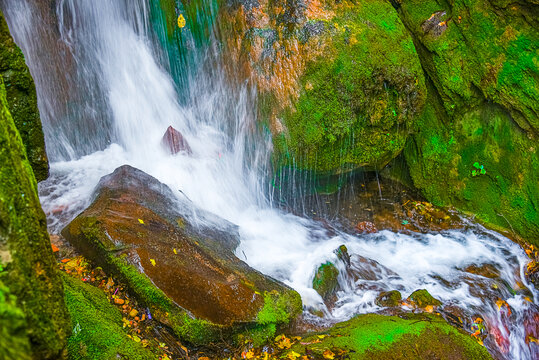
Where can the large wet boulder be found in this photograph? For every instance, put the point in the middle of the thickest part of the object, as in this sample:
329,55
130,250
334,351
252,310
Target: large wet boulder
373,336
339,85
31,293
475,145
22,101
178,260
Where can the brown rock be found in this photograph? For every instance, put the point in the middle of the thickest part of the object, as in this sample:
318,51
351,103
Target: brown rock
366,227
131,230
174,141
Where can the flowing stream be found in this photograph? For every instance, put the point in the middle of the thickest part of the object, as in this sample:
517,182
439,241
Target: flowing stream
108,89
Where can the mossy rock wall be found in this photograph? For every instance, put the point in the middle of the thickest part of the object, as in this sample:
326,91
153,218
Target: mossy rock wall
22,101
475,145
28,266
339,83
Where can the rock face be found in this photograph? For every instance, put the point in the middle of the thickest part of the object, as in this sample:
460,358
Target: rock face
177,259
339,84
31,293
174,142
475,146
22,101
390,337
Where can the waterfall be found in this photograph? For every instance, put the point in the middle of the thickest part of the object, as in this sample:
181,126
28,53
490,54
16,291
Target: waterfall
108,88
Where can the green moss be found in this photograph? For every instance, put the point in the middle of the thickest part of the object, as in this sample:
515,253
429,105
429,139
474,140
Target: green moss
423,298
13,337
98,332
325,280
390,337
389,298
22,101
25,252
357,99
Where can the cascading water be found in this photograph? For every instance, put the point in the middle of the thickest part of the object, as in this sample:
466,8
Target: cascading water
106,97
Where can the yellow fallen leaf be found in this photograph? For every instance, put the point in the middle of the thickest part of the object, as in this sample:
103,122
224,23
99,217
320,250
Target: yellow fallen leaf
141,221
321,336
137,339
429,308
175,252
181,21
250,354
328,354
152,261
292,355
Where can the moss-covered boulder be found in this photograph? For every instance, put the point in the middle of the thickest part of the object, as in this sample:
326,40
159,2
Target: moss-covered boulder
27,265
391,337
178,260
422,298
22,101
475,146
340,82
98,333
325,281
389,298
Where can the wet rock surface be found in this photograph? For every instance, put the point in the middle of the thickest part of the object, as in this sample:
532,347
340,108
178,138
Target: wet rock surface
136,227
174,142
22,101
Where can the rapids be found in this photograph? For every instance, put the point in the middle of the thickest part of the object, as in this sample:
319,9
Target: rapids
108,89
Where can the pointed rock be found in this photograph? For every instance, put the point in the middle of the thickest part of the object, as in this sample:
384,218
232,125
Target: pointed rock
174,142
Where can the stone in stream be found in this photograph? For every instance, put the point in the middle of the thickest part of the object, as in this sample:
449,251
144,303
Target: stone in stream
178,260
174,142
389,299
422,298
325,281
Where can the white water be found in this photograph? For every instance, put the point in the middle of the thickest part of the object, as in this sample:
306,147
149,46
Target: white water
131,100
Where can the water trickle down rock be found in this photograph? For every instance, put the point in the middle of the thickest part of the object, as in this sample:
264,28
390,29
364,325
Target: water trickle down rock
185,272
174,142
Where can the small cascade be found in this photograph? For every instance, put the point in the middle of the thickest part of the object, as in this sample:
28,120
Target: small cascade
112,76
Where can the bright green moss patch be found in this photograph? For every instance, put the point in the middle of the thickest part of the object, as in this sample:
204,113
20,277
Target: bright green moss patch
13,337
97,326
390,337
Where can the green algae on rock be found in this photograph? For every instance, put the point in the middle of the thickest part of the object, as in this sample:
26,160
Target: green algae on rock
482,63
389,298
340,83
22,101
422,298
411,336
99,333
325,280
28,265
187,275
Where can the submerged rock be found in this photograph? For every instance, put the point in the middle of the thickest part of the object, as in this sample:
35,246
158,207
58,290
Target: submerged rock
177,259
174,142
373,336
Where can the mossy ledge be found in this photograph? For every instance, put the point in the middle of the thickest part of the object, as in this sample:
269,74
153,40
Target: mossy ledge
412,336
98,326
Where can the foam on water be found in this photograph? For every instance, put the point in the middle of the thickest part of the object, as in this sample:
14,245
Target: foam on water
136,100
